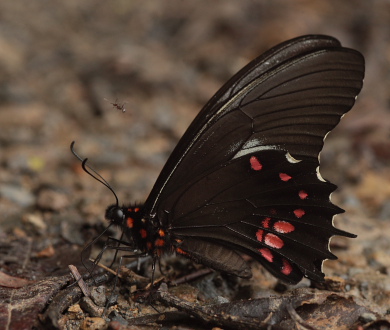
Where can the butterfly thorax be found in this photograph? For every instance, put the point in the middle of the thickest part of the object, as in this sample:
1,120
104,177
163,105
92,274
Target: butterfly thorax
144,235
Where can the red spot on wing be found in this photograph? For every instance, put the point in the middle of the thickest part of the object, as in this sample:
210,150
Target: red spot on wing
143,233
286,268
136,209
130,210
130,222
267,254
284,176
299,213
266,222
273,241
303,194
180,251
159,242
149,246
161,233
255,164
260,235
283,227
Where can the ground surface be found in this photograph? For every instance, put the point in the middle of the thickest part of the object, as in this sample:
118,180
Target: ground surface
60,60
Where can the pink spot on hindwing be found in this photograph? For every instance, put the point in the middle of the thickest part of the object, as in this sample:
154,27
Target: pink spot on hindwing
284,177
286,268
303,194
283,227
299,213
273,241
260,235
265,222
267,254
255,163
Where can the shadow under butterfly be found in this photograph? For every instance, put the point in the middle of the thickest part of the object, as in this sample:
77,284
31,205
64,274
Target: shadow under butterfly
245,177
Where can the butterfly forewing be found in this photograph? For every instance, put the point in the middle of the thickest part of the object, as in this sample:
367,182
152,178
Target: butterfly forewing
297,110
244,177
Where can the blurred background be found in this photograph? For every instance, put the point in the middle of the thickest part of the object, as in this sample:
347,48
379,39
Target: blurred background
62,64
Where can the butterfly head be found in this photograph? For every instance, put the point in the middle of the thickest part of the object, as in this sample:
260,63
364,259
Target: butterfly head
115,214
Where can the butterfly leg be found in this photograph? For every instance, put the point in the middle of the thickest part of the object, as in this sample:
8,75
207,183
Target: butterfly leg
132,256
107,245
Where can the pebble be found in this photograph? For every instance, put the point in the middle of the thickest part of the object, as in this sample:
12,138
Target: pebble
93,323
49,199
88,306
75,312
116,317
36,221
98,295
219,300
367,317
17,194
46,252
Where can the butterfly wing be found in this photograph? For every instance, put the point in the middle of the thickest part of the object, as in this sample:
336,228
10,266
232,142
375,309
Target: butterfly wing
244,176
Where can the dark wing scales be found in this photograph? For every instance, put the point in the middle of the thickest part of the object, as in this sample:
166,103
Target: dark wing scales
296,113
252,81
237,180
214,255
285,212
212,190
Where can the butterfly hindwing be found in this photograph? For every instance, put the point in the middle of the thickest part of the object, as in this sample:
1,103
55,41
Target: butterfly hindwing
283,214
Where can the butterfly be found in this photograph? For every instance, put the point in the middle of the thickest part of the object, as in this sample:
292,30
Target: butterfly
244,178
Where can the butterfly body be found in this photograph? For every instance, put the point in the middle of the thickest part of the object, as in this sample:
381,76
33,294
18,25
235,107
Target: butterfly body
244,179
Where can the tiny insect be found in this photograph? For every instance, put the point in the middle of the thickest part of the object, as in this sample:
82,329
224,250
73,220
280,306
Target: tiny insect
244,178
118,106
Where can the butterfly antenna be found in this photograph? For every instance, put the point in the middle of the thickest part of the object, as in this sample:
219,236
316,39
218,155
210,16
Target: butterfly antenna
89,170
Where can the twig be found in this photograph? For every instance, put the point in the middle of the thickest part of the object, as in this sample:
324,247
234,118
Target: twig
79,279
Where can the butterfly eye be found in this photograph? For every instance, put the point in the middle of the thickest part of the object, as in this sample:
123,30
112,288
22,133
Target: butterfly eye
118,214
114,214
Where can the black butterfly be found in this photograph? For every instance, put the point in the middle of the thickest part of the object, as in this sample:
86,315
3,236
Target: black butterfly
244,177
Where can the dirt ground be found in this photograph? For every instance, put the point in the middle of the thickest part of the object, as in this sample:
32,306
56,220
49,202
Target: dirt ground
62,64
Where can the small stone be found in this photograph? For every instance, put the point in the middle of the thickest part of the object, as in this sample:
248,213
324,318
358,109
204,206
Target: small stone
116,317
93,323
75,311
112,299
46,252
220,300
332,283
17,194
19,233
36,221
88,306
185,292
98,295
367,317
49,199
